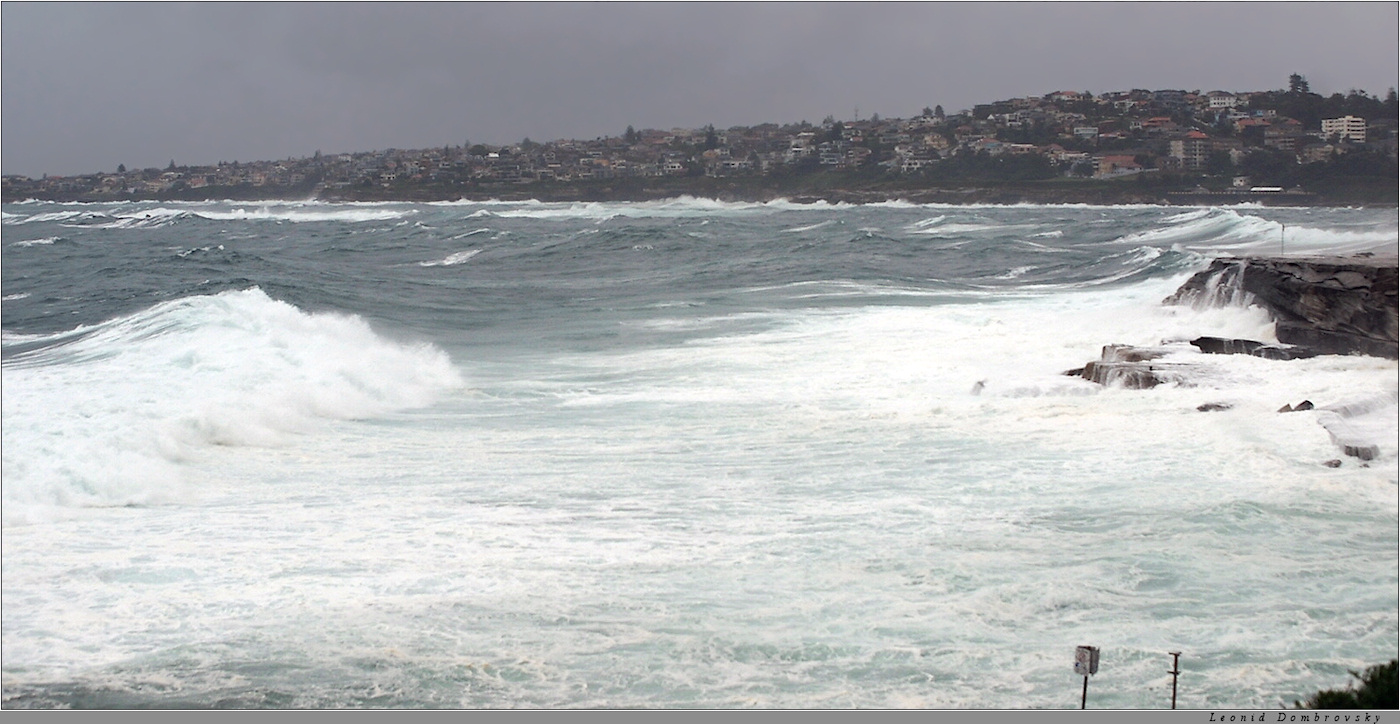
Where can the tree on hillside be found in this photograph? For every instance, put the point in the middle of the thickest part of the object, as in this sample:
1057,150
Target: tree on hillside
837,130
1220,164
982,110
1297,84
631,136
1379,689
121,168
1038,133
938,112
1354,103
1310,108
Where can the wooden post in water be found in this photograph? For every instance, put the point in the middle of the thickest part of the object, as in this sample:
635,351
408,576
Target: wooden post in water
1281,229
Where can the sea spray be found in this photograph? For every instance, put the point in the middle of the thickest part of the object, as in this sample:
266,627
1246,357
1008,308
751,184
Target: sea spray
668,455
105,416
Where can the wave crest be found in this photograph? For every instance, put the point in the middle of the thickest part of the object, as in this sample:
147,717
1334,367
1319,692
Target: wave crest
143,395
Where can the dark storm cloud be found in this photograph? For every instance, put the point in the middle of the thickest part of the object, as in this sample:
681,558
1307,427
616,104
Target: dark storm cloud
88,86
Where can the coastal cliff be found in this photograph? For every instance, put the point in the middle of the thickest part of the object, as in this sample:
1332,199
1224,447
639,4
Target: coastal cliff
1328,305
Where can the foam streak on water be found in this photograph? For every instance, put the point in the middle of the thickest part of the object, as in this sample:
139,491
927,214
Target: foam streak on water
673,454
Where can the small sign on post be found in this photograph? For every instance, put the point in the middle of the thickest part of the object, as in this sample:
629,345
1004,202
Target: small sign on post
1086,664
1086,660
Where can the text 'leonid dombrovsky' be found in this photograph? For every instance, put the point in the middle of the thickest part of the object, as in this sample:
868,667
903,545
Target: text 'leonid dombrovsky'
1284,716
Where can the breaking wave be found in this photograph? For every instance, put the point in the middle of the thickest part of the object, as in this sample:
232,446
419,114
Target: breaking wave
1228,230
112,414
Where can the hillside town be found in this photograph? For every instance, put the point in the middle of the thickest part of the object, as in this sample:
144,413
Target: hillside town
1215,141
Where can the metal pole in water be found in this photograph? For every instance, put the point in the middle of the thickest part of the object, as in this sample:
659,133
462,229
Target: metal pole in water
1084,697
1281,229
1176,670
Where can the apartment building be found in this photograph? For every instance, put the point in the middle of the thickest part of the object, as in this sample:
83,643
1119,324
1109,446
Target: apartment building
1350,128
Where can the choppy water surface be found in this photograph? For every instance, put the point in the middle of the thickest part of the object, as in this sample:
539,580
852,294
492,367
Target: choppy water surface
669,454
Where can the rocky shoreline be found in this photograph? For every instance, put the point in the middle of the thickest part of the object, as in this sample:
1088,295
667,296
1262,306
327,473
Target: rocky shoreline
1323,305
1320,306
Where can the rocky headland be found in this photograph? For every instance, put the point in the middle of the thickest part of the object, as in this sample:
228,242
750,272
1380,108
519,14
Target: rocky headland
1323,305
1320,306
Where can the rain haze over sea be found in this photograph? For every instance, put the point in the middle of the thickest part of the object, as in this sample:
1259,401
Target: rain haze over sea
670,454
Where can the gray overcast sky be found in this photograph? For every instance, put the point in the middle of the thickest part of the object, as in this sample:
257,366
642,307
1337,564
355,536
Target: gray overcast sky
90,85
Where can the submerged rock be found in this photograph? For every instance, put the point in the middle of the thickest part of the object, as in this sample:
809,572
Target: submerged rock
1218,345
1132,375
1363,452
1358,426
1214,407
1129,353
1132,367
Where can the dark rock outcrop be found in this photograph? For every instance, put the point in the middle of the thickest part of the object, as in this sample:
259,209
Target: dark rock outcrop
1219,345
1131,367
1352,424
1325,305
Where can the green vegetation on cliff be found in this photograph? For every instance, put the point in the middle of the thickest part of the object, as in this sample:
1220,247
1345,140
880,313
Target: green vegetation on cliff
1379,689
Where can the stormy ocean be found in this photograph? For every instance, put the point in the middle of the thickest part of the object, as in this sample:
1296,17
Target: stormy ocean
672,454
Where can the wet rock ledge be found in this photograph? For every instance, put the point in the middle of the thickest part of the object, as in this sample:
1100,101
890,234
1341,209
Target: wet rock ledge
1324,305
1320,306
1345,306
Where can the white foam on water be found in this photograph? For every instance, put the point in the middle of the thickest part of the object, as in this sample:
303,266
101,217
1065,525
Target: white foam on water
129,215
810,227
46,241
56,216
931,221
111,415
958,229
801,508
1230,231
678,207
835,475
1014,273
306,215
453,259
